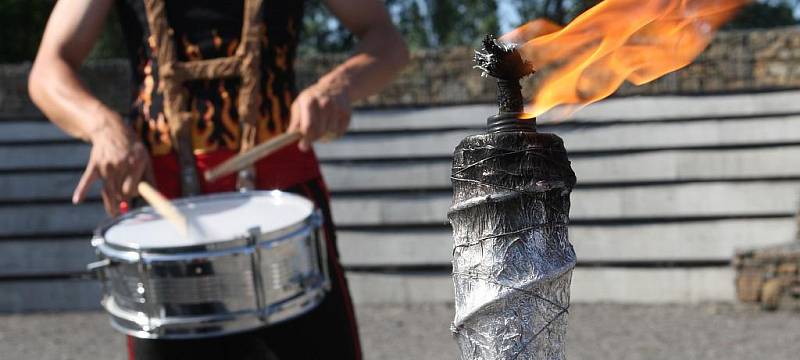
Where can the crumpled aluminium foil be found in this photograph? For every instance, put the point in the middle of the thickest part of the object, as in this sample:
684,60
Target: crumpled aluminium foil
512,260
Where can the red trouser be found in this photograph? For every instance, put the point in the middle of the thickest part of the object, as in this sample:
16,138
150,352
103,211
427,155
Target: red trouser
327,332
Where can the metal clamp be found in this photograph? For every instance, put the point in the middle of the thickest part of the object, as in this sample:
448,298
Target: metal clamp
317,221
99,265
255,269
97,270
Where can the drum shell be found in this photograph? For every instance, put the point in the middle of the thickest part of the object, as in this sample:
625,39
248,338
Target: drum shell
214,289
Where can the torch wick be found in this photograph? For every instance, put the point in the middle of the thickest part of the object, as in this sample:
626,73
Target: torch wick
504,62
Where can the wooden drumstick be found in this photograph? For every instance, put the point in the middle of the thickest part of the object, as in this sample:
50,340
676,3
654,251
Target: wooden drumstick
249,157
163,207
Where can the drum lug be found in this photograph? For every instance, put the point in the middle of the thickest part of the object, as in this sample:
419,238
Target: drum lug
257,279
96,241
96,270
323,258
98,265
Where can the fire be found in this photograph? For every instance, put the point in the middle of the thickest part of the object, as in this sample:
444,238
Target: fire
617,40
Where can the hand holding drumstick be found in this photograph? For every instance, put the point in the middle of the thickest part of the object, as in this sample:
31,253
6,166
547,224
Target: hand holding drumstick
317,114
320,112
117,159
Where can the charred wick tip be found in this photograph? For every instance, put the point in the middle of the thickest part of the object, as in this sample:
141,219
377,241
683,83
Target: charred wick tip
504,62
501,60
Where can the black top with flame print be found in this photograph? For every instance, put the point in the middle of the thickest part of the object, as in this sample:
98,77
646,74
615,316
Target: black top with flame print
205,29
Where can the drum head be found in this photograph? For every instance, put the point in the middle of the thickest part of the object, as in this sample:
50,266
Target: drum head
212,218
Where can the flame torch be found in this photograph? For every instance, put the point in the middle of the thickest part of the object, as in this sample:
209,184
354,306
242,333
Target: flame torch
512,260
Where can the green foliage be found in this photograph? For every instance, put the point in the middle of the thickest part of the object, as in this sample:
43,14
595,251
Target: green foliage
558,11
111,43
22,22
412,23
322,32
436,23
759,15
413,27
463,22
424,23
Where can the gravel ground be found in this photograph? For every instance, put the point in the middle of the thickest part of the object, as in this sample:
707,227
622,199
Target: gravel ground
597,331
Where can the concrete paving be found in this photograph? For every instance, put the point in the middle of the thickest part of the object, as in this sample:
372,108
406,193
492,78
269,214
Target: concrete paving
597,331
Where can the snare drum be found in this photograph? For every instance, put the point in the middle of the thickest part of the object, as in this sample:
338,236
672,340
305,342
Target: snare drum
257,259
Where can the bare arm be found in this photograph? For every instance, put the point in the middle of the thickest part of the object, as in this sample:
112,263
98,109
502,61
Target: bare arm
116,157
54,86
381,52
324,108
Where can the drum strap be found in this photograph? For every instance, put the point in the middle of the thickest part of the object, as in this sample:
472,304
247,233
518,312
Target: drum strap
172,73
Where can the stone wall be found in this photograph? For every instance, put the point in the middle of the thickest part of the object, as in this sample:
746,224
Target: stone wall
736,61
739,61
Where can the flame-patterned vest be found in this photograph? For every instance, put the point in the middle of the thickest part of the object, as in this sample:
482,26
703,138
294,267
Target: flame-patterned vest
211,76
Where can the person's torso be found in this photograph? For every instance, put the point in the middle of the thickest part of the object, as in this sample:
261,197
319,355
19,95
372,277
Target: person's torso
206,29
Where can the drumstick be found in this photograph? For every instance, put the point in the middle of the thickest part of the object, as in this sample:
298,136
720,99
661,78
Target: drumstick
163,207
249,157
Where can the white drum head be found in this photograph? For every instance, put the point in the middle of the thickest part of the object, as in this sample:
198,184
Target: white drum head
212,218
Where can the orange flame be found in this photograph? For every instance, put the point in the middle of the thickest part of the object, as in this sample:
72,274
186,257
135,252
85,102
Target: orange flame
617,40
202,134
231,125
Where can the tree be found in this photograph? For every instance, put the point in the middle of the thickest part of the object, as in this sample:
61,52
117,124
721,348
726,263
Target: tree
412,22
463,22
558,11
766,14
322,32
23,23
758,14
424,23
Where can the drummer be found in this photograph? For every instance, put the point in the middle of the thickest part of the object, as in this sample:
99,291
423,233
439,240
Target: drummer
145,148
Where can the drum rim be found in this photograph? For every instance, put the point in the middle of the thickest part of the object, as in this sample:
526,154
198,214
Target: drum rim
242,240
231,323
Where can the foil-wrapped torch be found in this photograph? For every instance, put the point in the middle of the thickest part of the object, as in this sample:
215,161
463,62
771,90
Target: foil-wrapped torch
512,259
